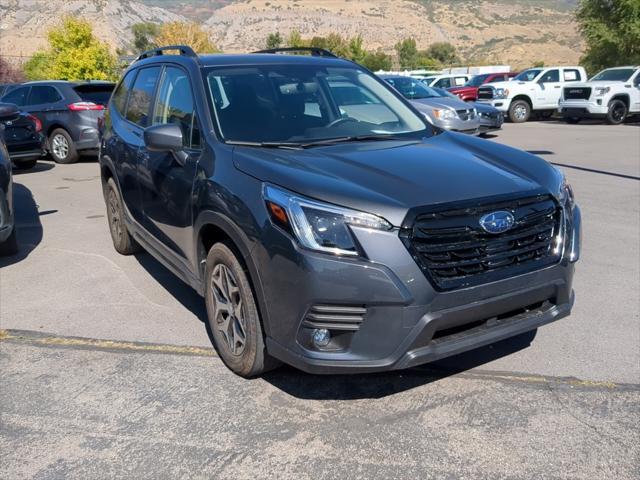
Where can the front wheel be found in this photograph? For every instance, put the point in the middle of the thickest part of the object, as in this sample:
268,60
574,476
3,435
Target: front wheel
617,112
519,111
61,147
233,316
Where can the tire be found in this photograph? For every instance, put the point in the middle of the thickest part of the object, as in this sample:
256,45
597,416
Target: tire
25,164
10,245
617,112
519,111
237,332
61,147
572,120
123,242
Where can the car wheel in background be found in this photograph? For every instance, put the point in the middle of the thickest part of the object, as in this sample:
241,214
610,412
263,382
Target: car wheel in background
123,242
519,111
25,164
572,120
617,112
233,315
10,245
61,147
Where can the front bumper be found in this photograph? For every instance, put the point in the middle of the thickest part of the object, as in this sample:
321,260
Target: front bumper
407,322
582,108
501,104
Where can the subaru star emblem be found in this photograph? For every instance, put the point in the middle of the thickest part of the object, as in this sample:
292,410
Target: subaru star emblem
497,222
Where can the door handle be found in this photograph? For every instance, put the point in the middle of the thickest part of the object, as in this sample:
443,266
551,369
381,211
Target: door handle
557,86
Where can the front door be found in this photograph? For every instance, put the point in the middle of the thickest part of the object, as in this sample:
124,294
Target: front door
549,89
166,184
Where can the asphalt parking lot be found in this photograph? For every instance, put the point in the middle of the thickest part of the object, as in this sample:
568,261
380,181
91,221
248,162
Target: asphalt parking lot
106,368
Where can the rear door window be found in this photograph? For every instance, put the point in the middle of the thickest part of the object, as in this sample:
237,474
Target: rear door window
98,94
122,92
139,103
41,94
17,97
174,104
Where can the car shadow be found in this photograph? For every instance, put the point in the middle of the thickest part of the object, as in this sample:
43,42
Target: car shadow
182,292
27,224
379,385
39,167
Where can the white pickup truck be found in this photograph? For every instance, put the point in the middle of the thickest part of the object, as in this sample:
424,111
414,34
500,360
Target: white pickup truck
533,90
612,94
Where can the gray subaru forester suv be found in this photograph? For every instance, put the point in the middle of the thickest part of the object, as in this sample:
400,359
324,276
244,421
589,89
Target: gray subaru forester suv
323,221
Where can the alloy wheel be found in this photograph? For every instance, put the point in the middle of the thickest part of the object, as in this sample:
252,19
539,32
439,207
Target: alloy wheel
229,314
60,146
618,112
520,112
114,216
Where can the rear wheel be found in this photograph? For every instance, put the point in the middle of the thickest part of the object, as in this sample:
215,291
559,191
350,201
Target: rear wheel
10,245
61,147
123,242
617,112
233,316
519,111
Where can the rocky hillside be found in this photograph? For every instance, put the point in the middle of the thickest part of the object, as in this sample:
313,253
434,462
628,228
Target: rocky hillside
517,32
24,23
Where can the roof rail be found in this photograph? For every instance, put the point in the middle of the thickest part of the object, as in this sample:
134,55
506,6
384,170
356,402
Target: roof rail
183,49
315,51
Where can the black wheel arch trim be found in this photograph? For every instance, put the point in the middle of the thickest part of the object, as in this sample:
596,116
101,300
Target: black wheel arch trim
243,244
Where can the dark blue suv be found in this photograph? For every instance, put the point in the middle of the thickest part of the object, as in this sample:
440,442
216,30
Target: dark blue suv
324,222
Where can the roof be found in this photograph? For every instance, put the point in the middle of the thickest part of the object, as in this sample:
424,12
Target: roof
228,60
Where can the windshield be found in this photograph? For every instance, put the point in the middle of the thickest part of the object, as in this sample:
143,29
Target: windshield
528,75
305,103
412,88
477,80
614,75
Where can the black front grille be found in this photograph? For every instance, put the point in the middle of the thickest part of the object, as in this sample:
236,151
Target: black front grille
455,252
485,93
577,93
466,115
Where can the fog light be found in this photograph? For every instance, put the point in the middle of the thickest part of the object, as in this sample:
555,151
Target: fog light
321,337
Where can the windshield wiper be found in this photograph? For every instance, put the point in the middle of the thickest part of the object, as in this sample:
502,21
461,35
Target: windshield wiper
285,145
353,138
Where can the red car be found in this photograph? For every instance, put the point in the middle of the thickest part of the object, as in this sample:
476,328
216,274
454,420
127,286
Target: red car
469,91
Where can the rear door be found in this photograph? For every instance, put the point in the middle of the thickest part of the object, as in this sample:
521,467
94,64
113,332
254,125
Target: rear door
165,183
46,102
135,118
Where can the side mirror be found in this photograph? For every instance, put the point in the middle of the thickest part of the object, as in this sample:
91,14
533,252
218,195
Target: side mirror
8,111
166,138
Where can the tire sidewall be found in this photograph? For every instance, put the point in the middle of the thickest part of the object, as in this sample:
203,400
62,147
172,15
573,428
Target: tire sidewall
512,108
248,361
610,119
72,155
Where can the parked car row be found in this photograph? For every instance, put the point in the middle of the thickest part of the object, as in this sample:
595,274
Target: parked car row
65,116
612,94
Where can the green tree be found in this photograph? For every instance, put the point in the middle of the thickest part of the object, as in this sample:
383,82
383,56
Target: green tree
442,52
144,35
611,29
274,40
74,54
375,61
538,64
295,39
185,33
407,52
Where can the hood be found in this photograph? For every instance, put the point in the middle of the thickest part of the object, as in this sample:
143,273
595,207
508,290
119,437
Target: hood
440,102
483,107
463,89
505,84
388,178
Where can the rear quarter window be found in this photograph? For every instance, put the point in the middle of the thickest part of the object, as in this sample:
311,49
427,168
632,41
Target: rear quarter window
98,94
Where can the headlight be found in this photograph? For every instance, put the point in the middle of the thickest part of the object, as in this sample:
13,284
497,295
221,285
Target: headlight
602,91
502,93
565,194
319,226
444,114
